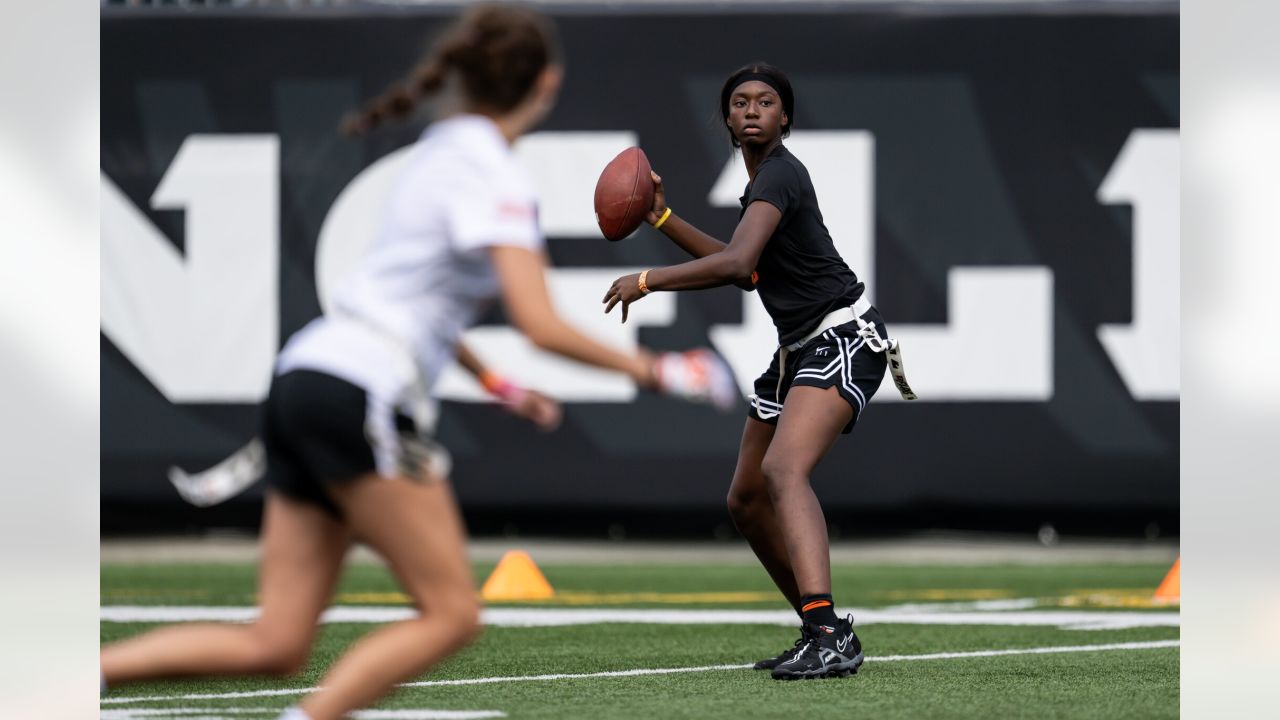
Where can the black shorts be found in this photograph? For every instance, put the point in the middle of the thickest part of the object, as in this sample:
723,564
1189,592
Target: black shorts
319,430
837,358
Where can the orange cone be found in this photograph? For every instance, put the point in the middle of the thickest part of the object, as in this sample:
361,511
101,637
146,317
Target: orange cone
516,578
1170,590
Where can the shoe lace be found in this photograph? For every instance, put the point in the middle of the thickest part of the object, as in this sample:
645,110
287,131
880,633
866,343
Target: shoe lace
807,635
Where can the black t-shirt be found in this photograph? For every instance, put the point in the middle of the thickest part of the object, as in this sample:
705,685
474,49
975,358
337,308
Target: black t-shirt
801,276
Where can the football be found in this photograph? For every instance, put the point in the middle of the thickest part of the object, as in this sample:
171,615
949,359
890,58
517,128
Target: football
624,194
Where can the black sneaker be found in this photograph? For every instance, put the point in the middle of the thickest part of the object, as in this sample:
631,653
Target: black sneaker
773,662
830,652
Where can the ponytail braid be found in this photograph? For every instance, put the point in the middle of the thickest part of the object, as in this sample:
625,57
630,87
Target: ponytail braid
498,52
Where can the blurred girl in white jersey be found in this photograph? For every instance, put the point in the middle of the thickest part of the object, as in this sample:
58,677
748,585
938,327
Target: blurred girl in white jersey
347,422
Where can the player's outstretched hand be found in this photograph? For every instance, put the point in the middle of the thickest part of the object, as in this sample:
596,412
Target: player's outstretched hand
698,376
625,290
659,200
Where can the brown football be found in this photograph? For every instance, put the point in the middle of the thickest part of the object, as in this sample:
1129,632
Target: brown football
624,194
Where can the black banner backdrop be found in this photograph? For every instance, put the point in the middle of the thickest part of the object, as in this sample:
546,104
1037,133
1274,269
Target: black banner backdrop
992,136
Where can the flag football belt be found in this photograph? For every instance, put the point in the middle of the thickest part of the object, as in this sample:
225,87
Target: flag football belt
866,330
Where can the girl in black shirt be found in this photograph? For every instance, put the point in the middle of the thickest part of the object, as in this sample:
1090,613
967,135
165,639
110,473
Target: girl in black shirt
830,360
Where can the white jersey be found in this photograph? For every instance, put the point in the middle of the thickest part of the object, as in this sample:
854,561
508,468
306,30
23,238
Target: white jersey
427,277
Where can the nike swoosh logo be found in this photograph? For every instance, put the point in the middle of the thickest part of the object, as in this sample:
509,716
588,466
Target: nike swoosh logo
843,643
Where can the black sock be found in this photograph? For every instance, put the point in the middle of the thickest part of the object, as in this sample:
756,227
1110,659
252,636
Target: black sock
818,610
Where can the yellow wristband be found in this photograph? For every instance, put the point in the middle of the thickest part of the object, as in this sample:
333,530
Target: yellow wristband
644,287
665,214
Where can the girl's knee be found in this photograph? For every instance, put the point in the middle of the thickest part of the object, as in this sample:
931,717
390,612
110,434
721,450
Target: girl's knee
782,476
278,653
459,612
739,502
466,618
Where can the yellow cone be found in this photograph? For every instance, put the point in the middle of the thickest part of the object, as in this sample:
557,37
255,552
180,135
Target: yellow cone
1170,590
516,578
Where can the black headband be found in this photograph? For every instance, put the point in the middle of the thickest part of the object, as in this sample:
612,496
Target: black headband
748,77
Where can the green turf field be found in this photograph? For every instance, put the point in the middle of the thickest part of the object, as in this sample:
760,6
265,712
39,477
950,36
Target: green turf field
928,634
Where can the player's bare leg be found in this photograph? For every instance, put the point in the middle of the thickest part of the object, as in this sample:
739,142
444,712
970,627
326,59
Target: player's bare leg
302,552
417,529
811,420
753,513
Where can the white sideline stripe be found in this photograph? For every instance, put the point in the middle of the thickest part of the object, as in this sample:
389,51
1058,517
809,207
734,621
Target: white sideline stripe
1144,645
965,605
185,713
424,714
130,713
559,617
1148,645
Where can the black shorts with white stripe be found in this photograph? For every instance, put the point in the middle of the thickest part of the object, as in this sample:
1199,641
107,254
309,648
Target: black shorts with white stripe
319,430
837,358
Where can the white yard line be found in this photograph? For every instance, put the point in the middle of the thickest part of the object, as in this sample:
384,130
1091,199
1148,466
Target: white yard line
1149,645
963,605
424,714
559,617
1050,650
195,713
